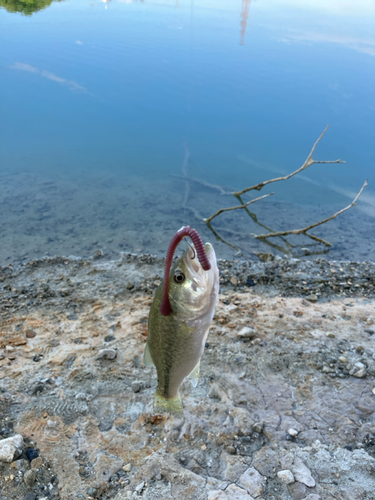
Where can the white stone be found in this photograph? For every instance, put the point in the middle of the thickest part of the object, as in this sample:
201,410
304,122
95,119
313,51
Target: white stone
302,474
247,333
140,487
127,467
252,481
286,476
361,373
10,448
292,432
107,354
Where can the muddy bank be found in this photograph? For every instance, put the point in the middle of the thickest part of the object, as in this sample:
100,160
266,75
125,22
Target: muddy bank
285,406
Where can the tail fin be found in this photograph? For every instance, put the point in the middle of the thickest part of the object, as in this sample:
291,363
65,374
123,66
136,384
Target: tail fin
168,405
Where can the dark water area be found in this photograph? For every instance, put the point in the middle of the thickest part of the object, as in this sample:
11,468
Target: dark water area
103,104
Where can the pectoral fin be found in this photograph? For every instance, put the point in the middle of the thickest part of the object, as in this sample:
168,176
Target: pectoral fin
147,359
194,375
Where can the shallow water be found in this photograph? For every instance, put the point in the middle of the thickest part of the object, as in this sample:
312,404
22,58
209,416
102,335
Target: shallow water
102,102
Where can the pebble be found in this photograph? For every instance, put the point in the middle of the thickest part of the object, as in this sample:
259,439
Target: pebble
30,477
361,373
258,427
127,467
98,254
286,476
265,256
373,391
330,335
327,369
137,385
30,334
293,432
234,280
31,454
37,462
30,496
312,298
140,487
107,354
10,448
129,286
342,359
246,333
20,465
303,474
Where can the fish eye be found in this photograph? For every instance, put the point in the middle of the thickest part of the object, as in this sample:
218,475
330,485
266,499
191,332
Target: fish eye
179,277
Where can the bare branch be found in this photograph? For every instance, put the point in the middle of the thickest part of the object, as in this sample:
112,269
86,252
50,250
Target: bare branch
203,183
305,229
308,162
221,210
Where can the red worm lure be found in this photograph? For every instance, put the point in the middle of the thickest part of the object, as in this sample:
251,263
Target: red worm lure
165,307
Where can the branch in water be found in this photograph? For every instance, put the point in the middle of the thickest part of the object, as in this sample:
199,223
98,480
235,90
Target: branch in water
305,229
309,161
221,210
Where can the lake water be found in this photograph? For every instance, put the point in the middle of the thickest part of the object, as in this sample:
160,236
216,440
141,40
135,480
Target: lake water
104,103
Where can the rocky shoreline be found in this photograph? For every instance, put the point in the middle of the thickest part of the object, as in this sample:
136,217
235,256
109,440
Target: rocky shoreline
284,409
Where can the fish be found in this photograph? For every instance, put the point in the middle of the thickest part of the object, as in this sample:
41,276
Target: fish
177,332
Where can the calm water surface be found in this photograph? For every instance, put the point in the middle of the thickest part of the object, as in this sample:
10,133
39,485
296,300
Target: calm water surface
102,101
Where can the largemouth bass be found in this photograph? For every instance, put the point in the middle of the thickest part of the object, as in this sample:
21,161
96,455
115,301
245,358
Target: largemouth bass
177,332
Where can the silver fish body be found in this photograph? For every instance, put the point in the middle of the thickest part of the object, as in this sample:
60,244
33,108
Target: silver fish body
176,342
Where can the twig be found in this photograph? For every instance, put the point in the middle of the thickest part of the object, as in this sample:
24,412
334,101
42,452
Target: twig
221,210
305,229
203,183
309,161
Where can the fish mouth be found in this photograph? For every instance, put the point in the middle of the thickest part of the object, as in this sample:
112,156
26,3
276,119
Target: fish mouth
197,274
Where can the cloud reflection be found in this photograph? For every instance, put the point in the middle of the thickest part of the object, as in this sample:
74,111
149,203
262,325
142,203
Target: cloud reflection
364,46
71,84
344,8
